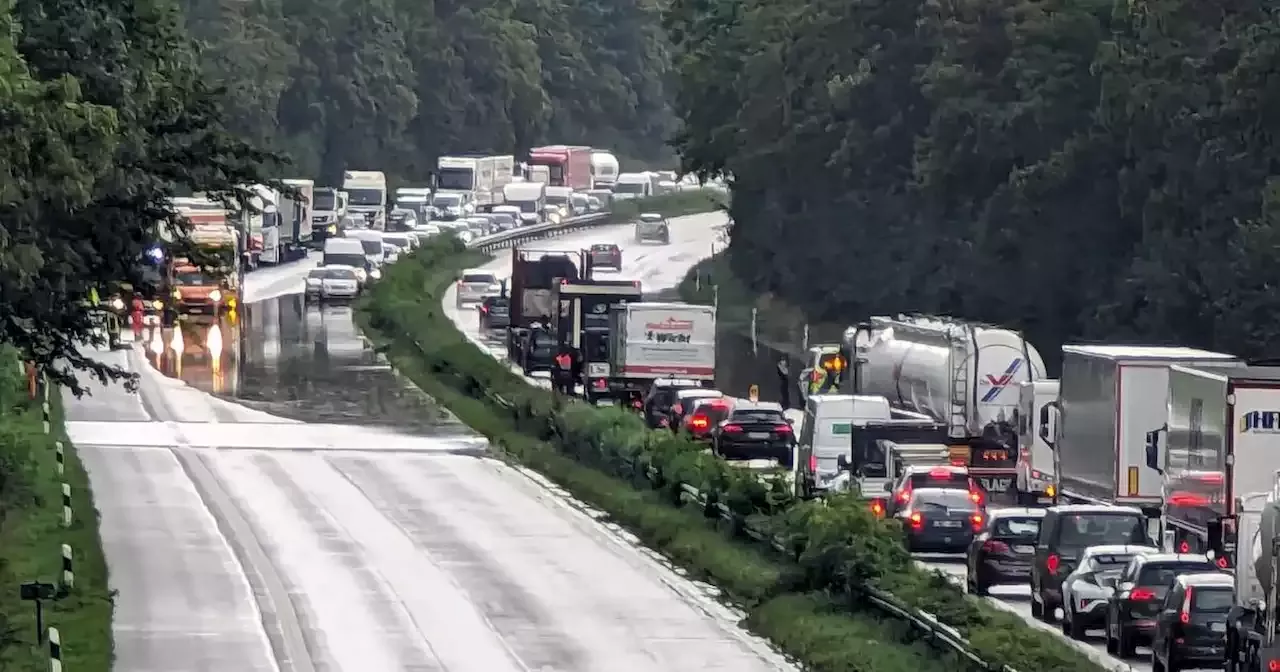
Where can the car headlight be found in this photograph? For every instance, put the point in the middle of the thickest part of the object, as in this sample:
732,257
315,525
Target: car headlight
375,274
117,304
157,304
177,294
215,296
333,229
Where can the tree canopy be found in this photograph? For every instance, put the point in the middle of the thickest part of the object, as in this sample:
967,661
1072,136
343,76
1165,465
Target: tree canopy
107,116
392,84
1080,169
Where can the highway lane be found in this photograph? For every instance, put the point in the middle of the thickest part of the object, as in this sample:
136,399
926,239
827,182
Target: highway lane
310,538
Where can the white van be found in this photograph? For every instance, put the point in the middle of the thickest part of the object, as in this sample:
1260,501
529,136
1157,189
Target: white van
371,242
346,252
827,433
633,185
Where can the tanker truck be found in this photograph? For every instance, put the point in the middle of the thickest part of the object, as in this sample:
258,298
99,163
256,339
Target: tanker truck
1251,624
962,374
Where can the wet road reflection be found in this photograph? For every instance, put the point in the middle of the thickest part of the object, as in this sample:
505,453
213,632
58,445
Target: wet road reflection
296,361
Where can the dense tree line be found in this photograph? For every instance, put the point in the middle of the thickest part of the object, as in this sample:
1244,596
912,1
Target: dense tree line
392,84
106,115
1083,169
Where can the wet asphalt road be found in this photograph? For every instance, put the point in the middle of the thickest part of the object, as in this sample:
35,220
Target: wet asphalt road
298,361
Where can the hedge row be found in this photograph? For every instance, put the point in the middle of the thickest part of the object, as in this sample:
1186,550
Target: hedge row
31,537
807,602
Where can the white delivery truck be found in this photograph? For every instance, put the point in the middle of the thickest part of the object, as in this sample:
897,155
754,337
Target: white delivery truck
327,213
663,340
481,176
1251,644
530,197
630,186
296,215
604,170
962,374
1111,397
367,196
1034,482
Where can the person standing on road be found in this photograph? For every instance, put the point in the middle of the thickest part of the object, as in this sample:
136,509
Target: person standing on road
784,383
563,373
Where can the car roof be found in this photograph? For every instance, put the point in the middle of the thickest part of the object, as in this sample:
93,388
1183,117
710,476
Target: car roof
748,405
695,392
1207,579
912,469
1095,508
1118,549
1015,512
1174,557
610,246
933,492
676,382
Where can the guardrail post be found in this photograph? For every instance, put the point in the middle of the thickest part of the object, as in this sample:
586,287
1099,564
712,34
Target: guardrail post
68,573
60,456
66,505
45,411
55,650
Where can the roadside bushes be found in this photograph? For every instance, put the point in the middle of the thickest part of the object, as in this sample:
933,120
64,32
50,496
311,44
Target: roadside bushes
833,548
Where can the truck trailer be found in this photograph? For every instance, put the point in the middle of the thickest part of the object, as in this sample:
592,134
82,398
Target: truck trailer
534,276
959,373
663,340
1251,626
1111,397
582,322
567,165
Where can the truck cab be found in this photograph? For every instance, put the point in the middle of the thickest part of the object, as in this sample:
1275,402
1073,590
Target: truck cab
1034,480
197,291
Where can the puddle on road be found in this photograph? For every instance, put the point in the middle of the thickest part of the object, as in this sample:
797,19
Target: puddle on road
296,361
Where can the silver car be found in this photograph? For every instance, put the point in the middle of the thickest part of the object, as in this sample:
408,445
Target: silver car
476,285
1086,592
333,283
653,227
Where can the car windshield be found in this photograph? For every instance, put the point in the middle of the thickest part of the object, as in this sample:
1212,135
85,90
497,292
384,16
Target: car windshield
1213,600
940,478
1163,573
1082,530
1112,562
759,415
324,200
446,201
193,279
479,278
402,241
553,199
365,196
355,260
1021,527
628,188
340,274
371,246
934,500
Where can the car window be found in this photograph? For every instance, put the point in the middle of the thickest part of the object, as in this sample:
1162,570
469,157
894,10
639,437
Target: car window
1082,530
371,246
1022,527
341,274
932,500
1214,600
318,273
1163,573
1112,563
479,277
758,415
940,478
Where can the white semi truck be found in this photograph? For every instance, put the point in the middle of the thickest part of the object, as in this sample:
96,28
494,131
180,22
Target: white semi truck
1111,398
482,177
367,196
962,374
1034,483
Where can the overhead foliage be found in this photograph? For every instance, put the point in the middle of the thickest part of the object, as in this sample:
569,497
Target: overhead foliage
1082,169
106,116
392,84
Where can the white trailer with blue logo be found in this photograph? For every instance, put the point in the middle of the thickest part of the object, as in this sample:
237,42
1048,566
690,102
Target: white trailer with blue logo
962,374
1111,402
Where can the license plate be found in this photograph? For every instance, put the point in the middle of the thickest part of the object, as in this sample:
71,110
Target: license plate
993,484
758,435
947,523
1217,627
605,402
1024,549
1044,500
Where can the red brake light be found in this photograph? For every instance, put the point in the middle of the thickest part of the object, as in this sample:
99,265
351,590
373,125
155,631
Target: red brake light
484,308
719,403
995,546
1184,615
976,519
699,423
904,496
917,520
733,429
637,404
813,463
877,508
1222,562
975,496
1273,666
1141,595
939,473
601,384
1052,563
783,429
1184,547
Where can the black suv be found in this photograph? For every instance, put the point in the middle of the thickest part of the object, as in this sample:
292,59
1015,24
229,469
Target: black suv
495,313
1140,592
1191,630
1002,551
661,397
1064,534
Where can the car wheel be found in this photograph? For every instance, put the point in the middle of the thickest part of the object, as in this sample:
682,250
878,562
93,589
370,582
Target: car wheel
980,587
1125,646
1156,665
1111,641
1075,626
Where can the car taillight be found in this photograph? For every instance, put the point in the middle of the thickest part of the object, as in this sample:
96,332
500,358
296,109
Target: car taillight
484,308
1184,614
637,404
600,384
813,463
904,496
939,474
733,429
917,520
1052,563
699,423
783,429
1273,665
976,520
975,496
1141,595
995,546
877,508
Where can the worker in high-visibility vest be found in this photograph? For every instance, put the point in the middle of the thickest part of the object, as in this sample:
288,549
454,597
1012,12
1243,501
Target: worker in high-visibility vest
819,381
563,373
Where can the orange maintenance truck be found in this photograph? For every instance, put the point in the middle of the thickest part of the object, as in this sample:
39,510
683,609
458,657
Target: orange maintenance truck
207,291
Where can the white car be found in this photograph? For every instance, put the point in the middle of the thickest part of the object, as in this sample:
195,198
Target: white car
476,285
1087,590
327,283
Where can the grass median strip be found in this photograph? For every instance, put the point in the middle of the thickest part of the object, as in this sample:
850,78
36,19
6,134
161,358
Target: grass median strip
32,535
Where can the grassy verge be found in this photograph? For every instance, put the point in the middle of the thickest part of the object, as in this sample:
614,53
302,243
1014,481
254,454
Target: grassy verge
31,537
808,602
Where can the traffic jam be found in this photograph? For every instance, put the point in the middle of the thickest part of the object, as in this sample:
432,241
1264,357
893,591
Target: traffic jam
1136,496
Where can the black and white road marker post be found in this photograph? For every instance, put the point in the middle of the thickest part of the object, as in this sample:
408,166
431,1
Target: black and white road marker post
60,456
55,650
68,576
66,505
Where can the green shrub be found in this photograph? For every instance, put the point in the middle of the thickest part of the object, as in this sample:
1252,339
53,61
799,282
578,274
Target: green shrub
835,547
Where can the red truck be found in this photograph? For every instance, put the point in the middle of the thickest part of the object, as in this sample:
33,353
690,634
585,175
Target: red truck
568,166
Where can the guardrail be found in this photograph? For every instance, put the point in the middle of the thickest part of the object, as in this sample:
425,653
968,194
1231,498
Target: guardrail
513,237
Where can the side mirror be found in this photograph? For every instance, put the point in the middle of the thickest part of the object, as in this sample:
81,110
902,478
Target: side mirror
842,462
888,487
792,422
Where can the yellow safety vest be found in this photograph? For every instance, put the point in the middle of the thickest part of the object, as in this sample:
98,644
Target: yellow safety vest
93,296
817,380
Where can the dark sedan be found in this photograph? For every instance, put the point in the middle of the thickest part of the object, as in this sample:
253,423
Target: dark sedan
755,430
1140,590
606,256
495,313
1002,551
940,520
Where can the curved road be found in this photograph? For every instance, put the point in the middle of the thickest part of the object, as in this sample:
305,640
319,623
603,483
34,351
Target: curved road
274,499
